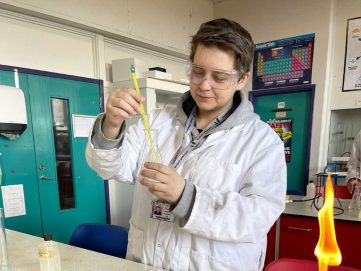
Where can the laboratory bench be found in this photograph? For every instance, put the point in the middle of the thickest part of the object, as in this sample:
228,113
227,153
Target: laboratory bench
23,256
296,233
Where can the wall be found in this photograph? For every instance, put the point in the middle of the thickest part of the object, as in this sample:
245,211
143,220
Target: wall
270,20
151,23
51,35
32,43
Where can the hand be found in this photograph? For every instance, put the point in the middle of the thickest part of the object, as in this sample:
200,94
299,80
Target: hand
167,184
122,104
351,183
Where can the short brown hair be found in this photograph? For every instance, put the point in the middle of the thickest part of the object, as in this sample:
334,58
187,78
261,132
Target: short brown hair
229,36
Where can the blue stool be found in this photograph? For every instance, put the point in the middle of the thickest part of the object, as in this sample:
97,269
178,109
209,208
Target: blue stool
104,238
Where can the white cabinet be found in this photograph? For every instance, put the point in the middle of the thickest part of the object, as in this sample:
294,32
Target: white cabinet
157,93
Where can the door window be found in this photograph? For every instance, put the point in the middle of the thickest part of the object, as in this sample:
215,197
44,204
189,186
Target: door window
61,131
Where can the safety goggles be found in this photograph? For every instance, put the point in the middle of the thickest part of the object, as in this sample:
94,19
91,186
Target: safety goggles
217,79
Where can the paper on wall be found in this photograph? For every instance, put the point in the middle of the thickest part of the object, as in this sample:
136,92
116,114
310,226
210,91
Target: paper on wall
13,200
82,125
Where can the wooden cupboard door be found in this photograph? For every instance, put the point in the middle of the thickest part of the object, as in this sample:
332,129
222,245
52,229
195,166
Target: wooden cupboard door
299,237
271,242
348,235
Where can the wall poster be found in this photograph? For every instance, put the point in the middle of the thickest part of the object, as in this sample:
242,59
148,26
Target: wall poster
285,62
352,67
283,127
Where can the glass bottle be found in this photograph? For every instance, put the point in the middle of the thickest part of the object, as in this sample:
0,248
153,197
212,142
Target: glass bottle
3,244
310,190
49,256
1,172
355,203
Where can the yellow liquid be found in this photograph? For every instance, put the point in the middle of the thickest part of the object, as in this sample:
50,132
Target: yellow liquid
49,259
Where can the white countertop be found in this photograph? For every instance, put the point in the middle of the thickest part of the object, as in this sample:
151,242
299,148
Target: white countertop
23,256
307,209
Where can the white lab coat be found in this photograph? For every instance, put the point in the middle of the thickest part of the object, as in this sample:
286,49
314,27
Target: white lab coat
354,164
240,180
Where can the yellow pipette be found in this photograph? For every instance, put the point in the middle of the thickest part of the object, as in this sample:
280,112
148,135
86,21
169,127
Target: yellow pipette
144,116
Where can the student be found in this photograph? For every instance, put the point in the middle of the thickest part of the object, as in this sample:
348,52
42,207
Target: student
354,164
223,176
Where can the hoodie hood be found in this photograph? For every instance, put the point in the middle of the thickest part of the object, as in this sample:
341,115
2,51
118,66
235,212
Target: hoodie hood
242,111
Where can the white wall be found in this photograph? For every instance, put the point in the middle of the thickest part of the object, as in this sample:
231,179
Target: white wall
29,43
162,23
277,19
82,37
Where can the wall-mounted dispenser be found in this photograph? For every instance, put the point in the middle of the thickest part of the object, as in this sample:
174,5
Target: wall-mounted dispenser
13,119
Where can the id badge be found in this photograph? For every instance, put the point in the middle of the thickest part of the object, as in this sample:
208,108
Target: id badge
161,211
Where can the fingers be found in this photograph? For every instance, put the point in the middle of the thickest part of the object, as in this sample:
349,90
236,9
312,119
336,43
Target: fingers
162,181
158,189
158,194
154,176
153,186
122,104
158,167
156,172
351,185
126,100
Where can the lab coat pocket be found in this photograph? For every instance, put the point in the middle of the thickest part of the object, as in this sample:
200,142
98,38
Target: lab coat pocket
217,174
193,260
135,243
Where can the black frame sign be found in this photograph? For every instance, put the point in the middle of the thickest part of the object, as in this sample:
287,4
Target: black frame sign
352,67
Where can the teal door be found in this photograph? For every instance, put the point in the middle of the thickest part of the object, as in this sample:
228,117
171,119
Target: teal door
19,166
64,192
293,106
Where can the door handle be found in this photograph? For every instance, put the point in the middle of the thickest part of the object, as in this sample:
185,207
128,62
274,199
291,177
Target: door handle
299,229
44,178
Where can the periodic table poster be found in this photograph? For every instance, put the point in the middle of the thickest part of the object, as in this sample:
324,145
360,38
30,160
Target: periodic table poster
284,62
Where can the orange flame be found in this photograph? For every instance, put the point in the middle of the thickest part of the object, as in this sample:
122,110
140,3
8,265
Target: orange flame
327,250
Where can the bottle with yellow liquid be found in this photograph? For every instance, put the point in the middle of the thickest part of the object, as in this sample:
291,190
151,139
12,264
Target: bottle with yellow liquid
49,255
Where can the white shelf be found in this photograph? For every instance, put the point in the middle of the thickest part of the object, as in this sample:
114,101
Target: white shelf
151,87
340,159
167,86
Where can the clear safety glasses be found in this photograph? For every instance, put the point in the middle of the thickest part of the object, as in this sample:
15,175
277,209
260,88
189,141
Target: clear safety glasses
217,79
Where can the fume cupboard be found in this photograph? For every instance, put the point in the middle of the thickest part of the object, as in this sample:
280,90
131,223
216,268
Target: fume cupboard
344,126
157,93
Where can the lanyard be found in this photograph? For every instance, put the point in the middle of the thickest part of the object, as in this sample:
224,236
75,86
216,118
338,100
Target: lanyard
197,138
